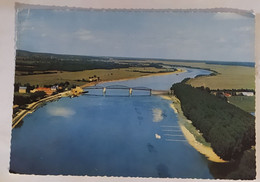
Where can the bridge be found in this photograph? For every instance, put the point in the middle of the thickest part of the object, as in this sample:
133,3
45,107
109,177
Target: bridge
125,90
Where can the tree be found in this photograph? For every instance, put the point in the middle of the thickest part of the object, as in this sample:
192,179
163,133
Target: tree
28,87
16,87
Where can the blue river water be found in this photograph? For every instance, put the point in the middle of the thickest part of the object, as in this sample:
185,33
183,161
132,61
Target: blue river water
108,136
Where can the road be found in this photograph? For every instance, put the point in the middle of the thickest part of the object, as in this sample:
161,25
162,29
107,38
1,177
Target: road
31,107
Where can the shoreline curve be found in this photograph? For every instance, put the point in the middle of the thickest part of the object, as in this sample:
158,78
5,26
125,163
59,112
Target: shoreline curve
206,150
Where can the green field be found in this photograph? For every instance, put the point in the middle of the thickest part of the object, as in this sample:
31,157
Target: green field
243,102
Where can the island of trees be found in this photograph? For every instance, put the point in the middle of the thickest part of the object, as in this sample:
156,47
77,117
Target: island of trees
230,130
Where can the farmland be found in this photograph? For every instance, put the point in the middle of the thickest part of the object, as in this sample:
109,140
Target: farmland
78,77
228,77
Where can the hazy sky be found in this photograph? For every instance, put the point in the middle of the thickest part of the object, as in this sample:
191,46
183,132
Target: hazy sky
174,35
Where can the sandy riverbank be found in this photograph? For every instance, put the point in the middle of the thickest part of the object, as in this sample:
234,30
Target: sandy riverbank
191,134
132,78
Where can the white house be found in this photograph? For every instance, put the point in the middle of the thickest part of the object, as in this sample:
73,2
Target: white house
54,88
248,93
22,90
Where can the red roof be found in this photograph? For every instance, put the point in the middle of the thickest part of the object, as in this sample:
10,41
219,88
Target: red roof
227,94
46,90
43,88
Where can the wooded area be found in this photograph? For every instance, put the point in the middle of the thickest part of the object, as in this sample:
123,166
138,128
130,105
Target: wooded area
229,129
45,62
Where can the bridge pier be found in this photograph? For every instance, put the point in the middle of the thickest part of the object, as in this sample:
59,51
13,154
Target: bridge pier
104,91
130,91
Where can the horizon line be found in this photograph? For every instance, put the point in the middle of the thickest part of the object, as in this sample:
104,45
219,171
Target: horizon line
143,58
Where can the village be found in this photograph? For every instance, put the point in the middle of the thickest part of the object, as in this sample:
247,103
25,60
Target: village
24,95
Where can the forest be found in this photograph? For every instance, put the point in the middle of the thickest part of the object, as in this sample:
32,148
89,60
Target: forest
229,129
46,62
30,61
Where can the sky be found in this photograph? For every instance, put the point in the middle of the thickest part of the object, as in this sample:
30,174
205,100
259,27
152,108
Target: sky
144,34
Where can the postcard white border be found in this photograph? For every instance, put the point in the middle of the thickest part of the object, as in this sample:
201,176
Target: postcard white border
7,53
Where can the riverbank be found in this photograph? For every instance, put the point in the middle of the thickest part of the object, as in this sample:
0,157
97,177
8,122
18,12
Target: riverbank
33,106
192,135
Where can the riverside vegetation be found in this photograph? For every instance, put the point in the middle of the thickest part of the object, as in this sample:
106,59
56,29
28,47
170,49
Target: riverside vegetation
230,130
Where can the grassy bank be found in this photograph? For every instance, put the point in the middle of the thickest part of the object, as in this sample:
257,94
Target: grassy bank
243,102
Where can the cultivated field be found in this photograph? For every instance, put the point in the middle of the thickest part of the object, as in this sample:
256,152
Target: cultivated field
229,77
74,77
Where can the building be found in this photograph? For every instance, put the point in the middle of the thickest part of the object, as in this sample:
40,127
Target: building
22,90
48,91
54,88
93,79
248,93
227,95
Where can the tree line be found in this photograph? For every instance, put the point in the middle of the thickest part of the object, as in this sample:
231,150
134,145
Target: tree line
29,62
22,100
229,129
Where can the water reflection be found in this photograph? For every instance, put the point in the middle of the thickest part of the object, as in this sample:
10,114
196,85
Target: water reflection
60,111
151,148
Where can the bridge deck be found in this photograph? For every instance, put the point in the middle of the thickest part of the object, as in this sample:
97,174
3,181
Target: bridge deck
131,89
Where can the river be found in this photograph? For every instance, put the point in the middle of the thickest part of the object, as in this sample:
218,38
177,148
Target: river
109,136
